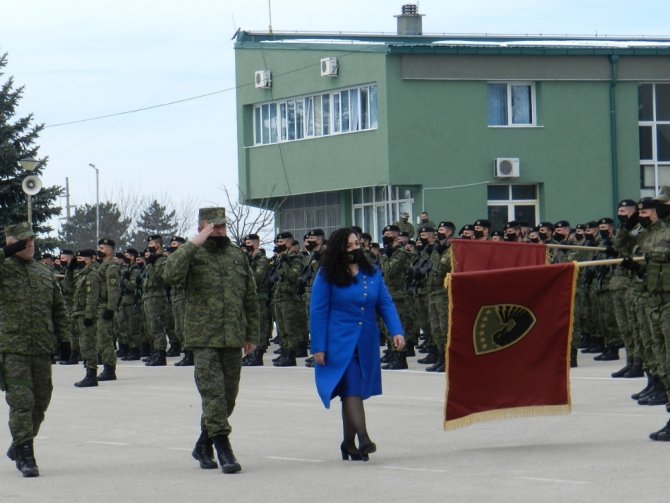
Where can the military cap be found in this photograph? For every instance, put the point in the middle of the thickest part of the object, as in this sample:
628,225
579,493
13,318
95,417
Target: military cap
316,232
86,252
512,225
391,228
19,231
497,233
178,239
580,227
47,255
404,234
591,224
482,222
447,224
547,224
367,236
426,229
119,255
285,235
252,237
155,237
607,220
67,252
107,241
561,224
215,216
132,251
304,238
626,203
468,227
646,203
404,214
412,242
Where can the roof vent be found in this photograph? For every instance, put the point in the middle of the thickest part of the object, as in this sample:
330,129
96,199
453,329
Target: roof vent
409,21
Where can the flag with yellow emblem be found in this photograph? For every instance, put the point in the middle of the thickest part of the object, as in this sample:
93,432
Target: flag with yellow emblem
508,344
473,255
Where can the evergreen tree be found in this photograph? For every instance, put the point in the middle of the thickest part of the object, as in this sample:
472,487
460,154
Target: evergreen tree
79,232
17,141
155,219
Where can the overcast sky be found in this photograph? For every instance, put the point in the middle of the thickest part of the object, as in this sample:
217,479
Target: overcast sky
85,58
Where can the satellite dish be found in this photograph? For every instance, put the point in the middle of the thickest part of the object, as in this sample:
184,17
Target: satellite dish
31,185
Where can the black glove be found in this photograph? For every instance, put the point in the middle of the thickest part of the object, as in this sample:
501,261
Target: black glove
72,265
88,322
107,314
151,258
15,247
629,264
632,221
611,252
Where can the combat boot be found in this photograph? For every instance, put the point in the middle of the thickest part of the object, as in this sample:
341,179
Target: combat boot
635,369
663,434
430,358
646,389
203,452
398,361
573,357
90,380
133,355
255,358
175,350
622,371
145,350
25,460
281,353
11,452
225,454
288,360
108,373
159,359
123,350
150,356
596,346
187,361
409,349
438,366
584,341
611,353
656,396
73,359
301,352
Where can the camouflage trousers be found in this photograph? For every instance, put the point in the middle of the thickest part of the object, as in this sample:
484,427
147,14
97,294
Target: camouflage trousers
170,324
292,323
87,344
265,323
29,387
583,313
654,310
423,315
644,331
105,340
178,308
404,304
438,313
217,377
622,317
129,322
155,310
607,321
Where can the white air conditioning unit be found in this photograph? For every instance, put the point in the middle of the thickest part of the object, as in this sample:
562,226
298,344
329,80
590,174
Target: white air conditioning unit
329,67
263,79
506,167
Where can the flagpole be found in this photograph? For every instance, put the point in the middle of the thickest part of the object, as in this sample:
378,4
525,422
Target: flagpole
577,247
611,261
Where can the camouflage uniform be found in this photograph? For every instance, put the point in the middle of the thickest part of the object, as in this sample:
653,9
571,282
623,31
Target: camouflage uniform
155,302
85,307
109,292
221,315
260,267
290,310
129,311
395,268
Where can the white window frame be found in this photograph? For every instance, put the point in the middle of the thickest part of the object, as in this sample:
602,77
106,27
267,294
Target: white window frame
510,113
391,201
653,164
511,203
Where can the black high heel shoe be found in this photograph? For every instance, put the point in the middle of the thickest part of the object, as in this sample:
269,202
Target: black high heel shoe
346,454
367,449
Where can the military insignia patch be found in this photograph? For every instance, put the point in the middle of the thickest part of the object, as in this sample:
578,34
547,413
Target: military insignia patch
499,326
112,281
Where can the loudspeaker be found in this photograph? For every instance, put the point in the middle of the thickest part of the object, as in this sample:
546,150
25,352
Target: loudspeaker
31,185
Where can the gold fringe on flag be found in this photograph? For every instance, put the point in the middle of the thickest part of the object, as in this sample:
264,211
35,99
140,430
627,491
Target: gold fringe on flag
511,413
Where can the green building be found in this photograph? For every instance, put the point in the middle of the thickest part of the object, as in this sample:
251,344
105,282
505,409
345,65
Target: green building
338,130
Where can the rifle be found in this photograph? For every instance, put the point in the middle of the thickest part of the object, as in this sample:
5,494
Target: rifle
305,278
417,273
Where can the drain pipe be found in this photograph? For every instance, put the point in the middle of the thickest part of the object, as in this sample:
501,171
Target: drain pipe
614,60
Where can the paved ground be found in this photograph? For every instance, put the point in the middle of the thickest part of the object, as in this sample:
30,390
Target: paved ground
130,441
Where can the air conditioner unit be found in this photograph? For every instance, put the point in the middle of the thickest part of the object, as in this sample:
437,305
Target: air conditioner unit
506,167
329,67
263,79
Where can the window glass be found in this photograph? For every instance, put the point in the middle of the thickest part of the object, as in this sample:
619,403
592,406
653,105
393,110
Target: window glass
309,116
353,107
497,104
273,123
365,120
344,97
373,106
357,196
645,101
257,125
524,191
317,115
663,142
336,113
299,119
325,106
522,105
497,215
646,148
663,102
265,118
282,122
291,119
498,192
525,213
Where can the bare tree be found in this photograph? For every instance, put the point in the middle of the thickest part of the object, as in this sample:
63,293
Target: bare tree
243,219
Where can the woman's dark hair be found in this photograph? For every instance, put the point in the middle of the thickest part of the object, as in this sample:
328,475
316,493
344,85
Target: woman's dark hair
335,264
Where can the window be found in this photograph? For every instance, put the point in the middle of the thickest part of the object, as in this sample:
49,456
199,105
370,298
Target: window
511,104
376,207
654,136
512,202
342,111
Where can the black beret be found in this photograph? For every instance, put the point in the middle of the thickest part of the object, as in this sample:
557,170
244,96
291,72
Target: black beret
155,237
482,222
580,227
411,242
132,251
252,237
404,234
47,255
468,227
512,225
561,223
107,241
391,228
497,233
426,229
447,224
547,224
285,235
625,203
67,252
87,252
606,220
646,203
178,239
316,232
591,224
119,255
367,236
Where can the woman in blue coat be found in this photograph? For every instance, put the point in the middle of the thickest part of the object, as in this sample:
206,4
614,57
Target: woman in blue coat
346,295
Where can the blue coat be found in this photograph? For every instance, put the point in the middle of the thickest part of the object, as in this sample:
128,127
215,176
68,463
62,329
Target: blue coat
342,319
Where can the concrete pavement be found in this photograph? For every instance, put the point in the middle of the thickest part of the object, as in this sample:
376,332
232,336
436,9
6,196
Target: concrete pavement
131,441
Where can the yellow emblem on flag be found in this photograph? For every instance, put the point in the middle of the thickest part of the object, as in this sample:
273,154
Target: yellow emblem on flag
499,326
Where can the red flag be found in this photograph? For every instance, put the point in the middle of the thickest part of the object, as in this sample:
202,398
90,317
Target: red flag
508,345
472,255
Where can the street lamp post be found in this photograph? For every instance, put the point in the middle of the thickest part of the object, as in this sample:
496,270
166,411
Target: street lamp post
97,203
31,184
